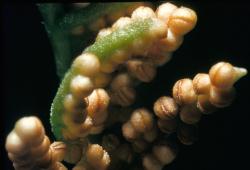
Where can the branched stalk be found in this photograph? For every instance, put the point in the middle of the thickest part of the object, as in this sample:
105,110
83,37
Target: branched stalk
103,49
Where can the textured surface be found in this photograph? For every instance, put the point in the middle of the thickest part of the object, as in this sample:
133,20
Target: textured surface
34,92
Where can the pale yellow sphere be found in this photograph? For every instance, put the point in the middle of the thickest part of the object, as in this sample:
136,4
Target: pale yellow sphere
87,64
182,20
143,13
30,130
165,10
81,86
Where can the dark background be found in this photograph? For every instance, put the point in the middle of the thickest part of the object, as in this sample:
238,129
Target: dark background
222,33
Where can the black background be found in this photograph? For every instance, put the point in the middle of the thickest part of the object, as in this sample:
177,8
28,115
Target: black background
222,33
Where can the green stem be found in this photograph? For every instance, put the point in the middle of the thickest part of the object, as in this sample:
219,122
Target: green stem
103,49
119,39
58,27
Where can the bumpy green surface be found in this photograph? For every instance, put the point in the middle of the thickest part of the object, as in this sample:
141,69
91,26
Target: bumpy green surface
103,48
119,39
59,23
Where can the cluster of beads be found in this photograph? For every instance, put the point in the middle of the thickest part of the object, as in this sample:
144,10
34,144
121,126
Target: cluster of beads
118,151
93,122
163,153
94,158
180,21
29,148
140,129
206,92
166,109
82,97
170,24
192,98
89,73
90,97
122,90
85,110
106,19
166,35
85,107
